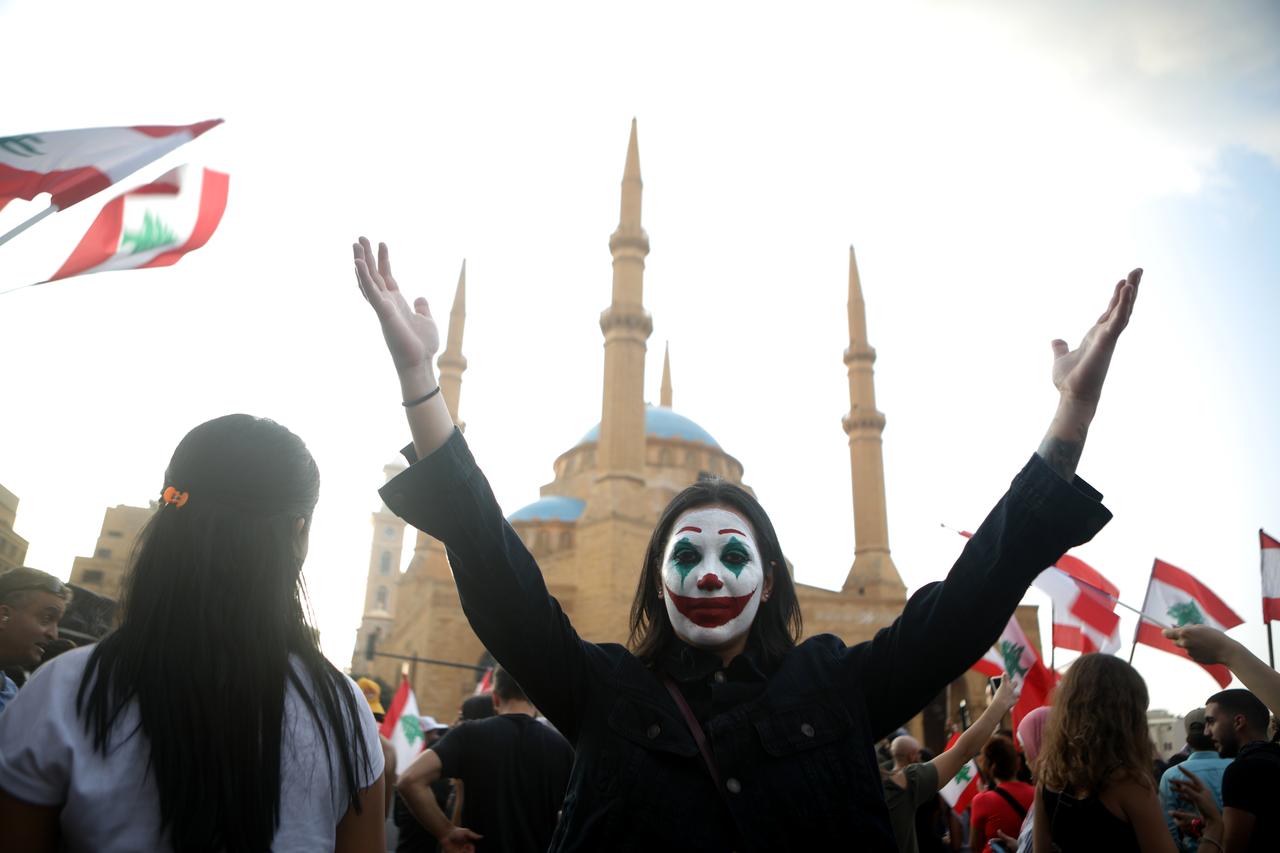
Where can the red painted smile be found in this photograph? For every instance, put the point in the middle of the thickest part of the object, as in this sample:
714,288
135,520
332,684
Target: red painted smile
710,611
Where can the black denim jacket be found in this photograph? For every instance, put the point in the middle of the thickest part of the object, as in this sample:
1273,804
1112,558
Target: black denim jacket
794,742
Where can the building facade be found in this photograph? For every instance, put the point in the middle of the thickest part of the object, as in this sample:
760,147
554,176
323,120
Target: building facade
104,572
591,523
13,548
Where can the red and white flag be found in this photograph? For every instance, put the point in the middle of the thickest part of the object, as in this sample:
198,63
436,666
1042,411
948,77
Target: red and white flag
1014,654
403,727
1084,603
961,790
152,225
1270,577
75,164
485,684
1176,598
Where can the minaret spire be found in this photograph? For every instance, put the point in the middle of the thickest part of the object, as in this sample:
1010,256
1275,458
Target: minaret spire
873,574
626,327
452,362
666,377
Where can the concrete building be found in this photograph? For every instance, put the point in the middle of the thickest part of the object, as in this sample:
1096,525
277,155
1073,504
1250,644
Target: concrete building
103,573
1167,732
591,523
13,548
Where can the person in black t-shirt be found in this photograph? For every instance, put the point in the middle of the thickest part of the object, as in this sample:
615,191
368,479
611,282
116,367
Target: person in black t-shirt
1237,721
514,769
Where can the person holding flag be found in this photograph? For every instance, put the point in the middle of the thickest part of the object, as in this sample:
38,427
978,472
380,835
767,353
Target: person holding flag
715,728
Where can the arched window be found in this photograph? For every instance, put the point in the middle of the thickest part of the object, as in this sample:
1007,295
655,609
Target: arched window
385,564
566,539
381,598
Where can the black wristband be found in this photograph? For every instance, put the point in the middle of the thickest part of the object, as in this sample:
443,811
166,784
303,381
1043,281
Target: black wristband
424,398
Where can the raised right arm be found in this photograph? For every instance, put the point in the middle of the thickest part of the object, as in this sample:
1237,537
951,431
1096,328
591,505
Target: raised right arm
444,494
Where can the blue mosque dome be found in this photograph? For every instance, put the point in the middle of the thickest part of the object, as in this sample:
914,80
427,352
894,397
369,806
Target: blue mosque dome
664,423
550,508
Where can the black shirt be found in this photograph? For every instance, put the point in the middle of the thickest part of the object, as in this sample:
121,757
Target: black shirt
792,737
1251,783
514,772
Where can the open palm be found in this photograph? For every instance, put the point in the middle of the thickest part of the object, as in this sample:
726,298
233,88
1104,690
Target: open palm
1079,373
410,332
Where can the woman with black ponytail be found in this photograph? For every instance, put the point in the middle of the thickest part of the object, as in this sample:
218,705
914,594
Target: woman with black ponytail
209,720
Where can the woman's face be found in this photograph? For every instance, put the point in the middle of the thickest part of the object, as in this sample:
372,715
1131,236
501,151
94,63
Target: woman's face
713,577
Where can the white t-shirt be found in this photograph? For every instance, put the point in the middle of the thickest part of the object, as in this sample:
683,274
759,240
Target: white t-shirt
109,803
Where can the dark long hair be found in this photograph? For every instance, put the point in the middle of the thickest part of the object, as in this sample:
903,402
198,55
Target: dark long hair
213,626
777,625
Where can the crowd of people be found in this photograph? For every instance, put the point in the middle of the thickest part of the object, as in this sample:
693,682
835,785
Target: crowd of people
208,719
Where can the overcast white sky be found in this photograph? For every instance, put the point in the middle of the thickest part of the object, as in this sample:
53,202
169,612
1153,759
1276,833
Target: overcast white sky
997,167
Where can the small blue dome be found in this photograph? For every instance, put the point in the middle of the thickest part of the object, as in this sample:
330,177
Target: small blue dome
550,508
664,423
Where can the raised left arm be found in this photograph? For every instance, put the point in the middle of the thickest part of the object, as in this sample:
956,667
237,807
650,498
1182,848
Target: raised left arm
946,627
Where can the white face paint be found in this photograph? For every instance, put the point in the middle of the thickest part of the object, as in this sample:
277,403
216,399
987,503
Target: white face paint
712,576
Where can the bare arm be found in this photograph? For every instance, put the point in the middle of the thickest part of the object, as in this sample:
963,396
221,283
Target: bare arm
412,339
389,771
1209,645
1141,805
1078,375
365,831
415,788
968,745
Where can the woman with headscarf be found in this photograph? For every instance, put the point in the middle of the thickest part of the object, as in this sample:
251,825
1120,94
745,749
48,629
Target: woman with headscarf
715,729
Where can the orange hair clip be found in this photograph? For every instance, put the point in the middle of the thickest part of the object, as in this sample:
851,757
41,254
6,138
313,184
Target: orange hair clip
173,497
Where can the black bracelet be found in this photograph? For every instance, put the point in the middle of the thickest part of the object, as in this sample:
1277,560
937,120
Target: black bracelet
423,398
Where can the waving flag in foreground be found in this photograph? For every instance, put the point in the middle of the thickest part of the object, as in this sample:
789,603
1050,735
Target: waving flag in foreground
152,225
1176,598
1084,604
961,790
75,164
1014,654
402,725
1270,577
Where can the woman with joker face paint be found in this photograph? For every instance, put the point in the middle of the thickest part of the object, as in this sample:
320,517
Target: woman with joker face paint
715,728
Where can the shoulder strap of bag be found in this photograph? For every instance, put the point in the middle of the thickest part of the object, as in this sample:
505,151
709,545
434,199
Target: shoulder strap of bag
1013,803
695,729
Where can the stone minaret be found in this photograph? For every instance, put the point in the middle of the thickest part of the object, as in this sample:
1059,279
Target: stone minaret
665,399
626,327
873,574
382,580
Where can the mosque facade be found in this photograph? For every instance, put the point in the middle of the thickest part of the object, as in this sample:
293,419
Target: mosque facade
590,525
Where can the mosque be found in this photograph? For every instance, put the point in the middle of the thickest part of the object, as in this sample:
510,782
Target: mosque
589,528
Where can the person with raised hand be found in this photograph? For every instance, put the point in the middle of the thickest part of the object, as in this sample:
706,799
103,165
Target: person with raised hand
1206,644
714,728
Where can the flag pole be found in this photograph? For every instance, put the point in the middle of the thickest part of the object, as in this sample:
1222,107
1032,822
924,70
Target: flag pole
1133,648
1053,621
24,226
1271,648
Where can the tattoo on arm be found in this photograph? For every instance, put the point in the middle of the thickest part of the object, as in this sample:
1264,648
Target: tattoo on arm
1063,455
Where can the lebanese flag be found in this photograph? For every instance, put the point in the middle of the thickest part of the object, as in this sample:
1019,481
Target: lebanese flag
75,164
1084,603
1013,654
961,790
485,684
402,725
152,225
1176,598
1270,577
